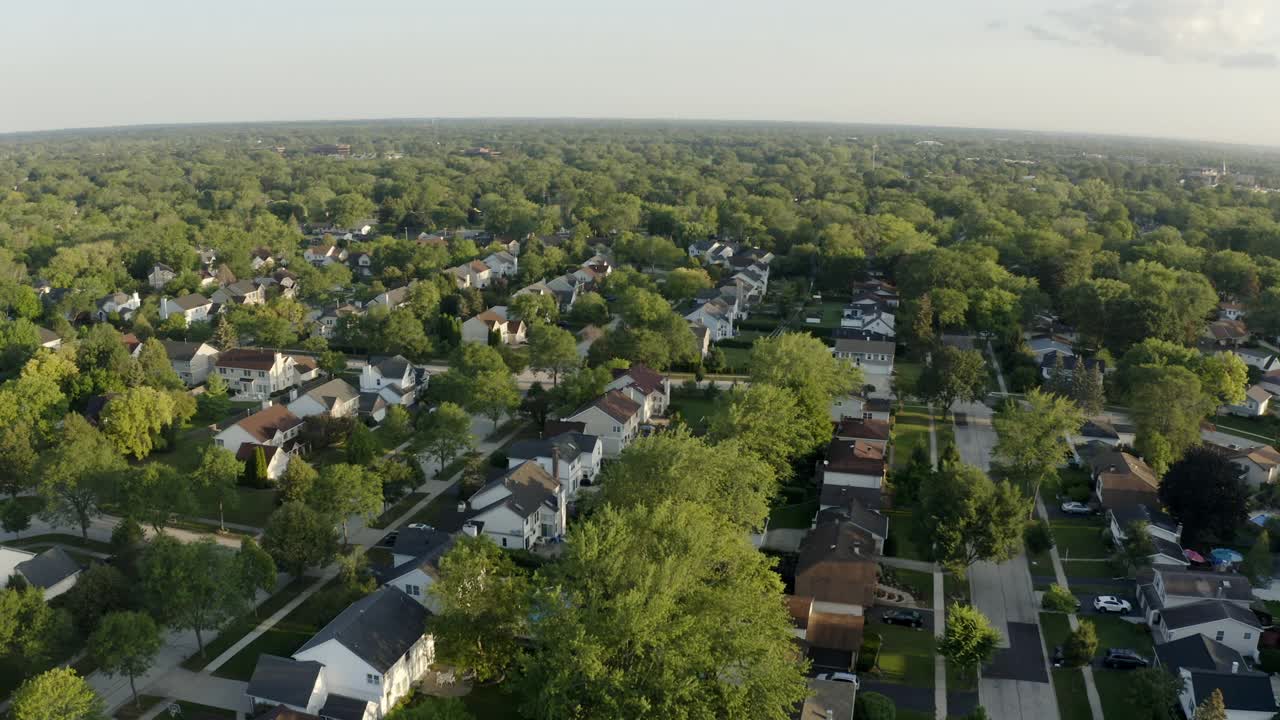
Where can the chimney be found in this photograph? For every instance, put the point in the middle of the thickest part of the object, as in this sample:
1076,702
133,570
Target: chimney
1235,667
555,463
470,530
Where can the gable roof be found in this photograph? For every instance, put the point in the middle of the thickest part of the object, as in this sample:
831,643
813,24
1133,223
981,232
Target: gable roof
284,680
247,358
428,560
1144,513
860,515
1244,691
1263,456
1198,652
570,445
647,380
1227,330
860,429
837,564
394,367
182,351
1118,470
332,393
264,424
379,628
529,488
341,707
1193,583
839,495
419,541
1050,361
854,456
1207,611
48,568
191,301
614,404
834,631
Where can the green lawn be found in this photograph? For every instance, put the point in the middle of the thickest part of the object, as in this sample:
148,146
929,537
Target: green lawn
489,702
1116,633
1073,701
900,541
916,582
434,510
910,430
1055,627
1079,539
906,377
799,515
253,507
1090,569
696,409
291,632
1264,427
401,507
241,626
1113,690
62,539
736,360
906,656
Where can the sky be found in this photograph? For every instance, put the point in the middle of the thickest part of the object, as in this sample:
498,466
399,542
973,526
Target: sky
1195,69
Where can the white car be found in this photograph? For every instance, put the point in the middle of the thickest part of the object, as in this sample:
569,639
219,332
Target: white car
840,677
1111,603
1076,508
419,526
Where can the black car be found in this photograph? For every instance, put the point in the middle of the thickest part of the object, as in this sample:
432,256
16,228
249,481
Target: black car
909,618
1120,659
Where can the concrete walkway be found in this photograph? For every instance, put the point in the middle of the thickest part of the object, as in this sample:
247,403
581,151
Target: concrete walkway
939,662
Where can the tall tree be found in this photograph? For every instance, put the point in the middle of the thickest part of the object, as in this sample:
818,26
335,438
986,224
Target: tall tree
1153,694
126,644
1212,708
344,490
297,480
1257,562
216,479
155,492
57,694
362,446
257,571
802,365
193,586
133,419
14,517
630,623
493,394
1204,492
767,421
952,375
1135,551
969,639
18,458
1034,438
214,403
446,431
483,608
553,349
1087,388
964,517
299,538
78,474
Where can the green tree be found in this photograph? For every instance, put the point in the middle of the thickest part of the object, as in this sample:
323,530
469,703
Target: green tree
192,586
1038,537
630,623
493,394
446,431
257,571
78,474
1204,492
1135,551
484,603
764,420
802,365
332,362
1257,562
31,630
344,490
362,446
214,403
14,517
396,425
963,517
127,542
1153,693
297,480
590,309
554,350
299,538
1087,388
126,643
534,309
155,492
157,371
57,694
1081,645
874,706
1212,708
133,419
1059,599
1033,438
216,479
969,639
99,590
684,283
953,375
18,458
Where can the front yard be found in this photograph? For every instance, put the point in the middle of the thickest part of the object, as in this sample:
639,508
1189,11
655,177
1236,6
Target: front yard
900,543
910,431
906,655
1079,538
291,632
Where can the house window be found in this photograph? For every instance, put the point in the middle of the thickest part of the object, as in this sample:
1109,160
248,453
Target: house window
1219,636
222,371
866,416
219,441
262,373
372,679
504,542
617,428
1248,636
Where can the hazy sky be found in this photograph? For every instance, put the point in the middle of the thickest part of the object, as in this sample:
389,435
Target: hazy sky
1181,68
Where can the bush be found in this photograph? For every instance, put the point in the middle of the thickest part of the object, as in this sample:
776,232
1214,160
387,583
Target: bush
1037,537
1269,660
1059,599
874,706
1078,493
1082,645
869,653
498,459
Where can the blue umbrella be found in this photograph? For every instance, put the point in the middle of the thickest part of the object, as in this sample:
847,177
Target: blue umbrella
1225,556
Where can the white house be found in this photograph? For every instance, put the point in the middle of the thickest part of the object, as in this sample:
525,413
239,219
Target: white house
522,508
566,289
1230,310
416,562
875,355
715,315
854,463
1225,622
322,255
1247,695
48,338
1258,465
394,379
358,666
361,263
335,398
503,264
875,322
572,458
53,571
1257,403
645,386
275,426
1160,588
255,373
191,360
1164,531
474,274
194,307
122,304
613,417
391,299
327,322
160,276
477,329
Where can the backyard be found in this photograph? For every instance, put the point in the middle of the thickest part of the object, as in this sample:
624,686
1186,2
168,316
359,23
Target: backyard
695,408
291,632
796,516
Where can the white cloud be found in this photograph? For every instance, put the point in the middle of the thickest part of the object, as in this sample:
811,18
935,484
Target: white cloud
1230,33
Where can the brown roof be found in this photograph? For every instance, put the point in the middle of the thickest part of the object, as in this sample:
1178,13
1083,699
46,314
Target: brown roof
837,564
1118,470
855,456
835,631
799,607
247,358
478,266
264,424
130,341
859,429
615,405
649,381
305,361
1228,330
1263,455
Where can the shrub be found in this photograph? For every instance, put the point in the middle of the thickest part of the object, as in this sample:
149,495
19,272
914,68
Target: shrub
1038,537
869,653
1059,599
874,706
1269,660
1078,493
498,459
1081,645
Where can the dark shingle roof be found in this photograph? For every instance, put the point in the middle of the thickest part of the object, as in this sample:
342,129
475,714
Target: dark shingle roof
1191,583
179,350
1141,512
341,707
284,680
378,628
529,487
1245,691
48,568
570,444
854,511
418,542
1207,611
1198,652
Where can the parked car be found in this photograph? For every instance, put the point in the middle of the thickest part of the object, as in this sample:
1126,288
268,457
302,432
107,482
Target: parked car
908,618
1123,659
1111,603
840,677
1076,508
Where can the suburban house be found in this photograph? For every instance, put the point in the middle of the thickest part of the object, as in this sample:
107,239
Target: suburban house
1228,623
1049,364
502,264
884,290
1258,465
876,355
1160,588
566,289
648,387
219,276
255,373
275,426
241,292
1264,360
361,263
335,398
829,700
416,562
1230,310
52,571
701,337
873,523
117,303
522,508
716,316
1043,344
613,417
261,258
49,339
867,408
837,567
727,295
857,463
1257,403
1226,333
1106,433
328,322
358,666
494,321
572,458
194,307
191,360
1164,531
394,379
160,276
872,431
1246,695
391,299
474,274
323,255
1123,480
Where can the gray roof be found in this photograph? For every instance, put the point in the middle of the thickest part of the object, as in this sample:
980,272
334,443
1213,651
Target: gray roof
1168,548
876,347
284,680
394,366
855,511
191,301
1198,652
48,568
570,444
341,707
1208,585
1245,691
529,486
179,350
418,542
1207,611
378,628
333,392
